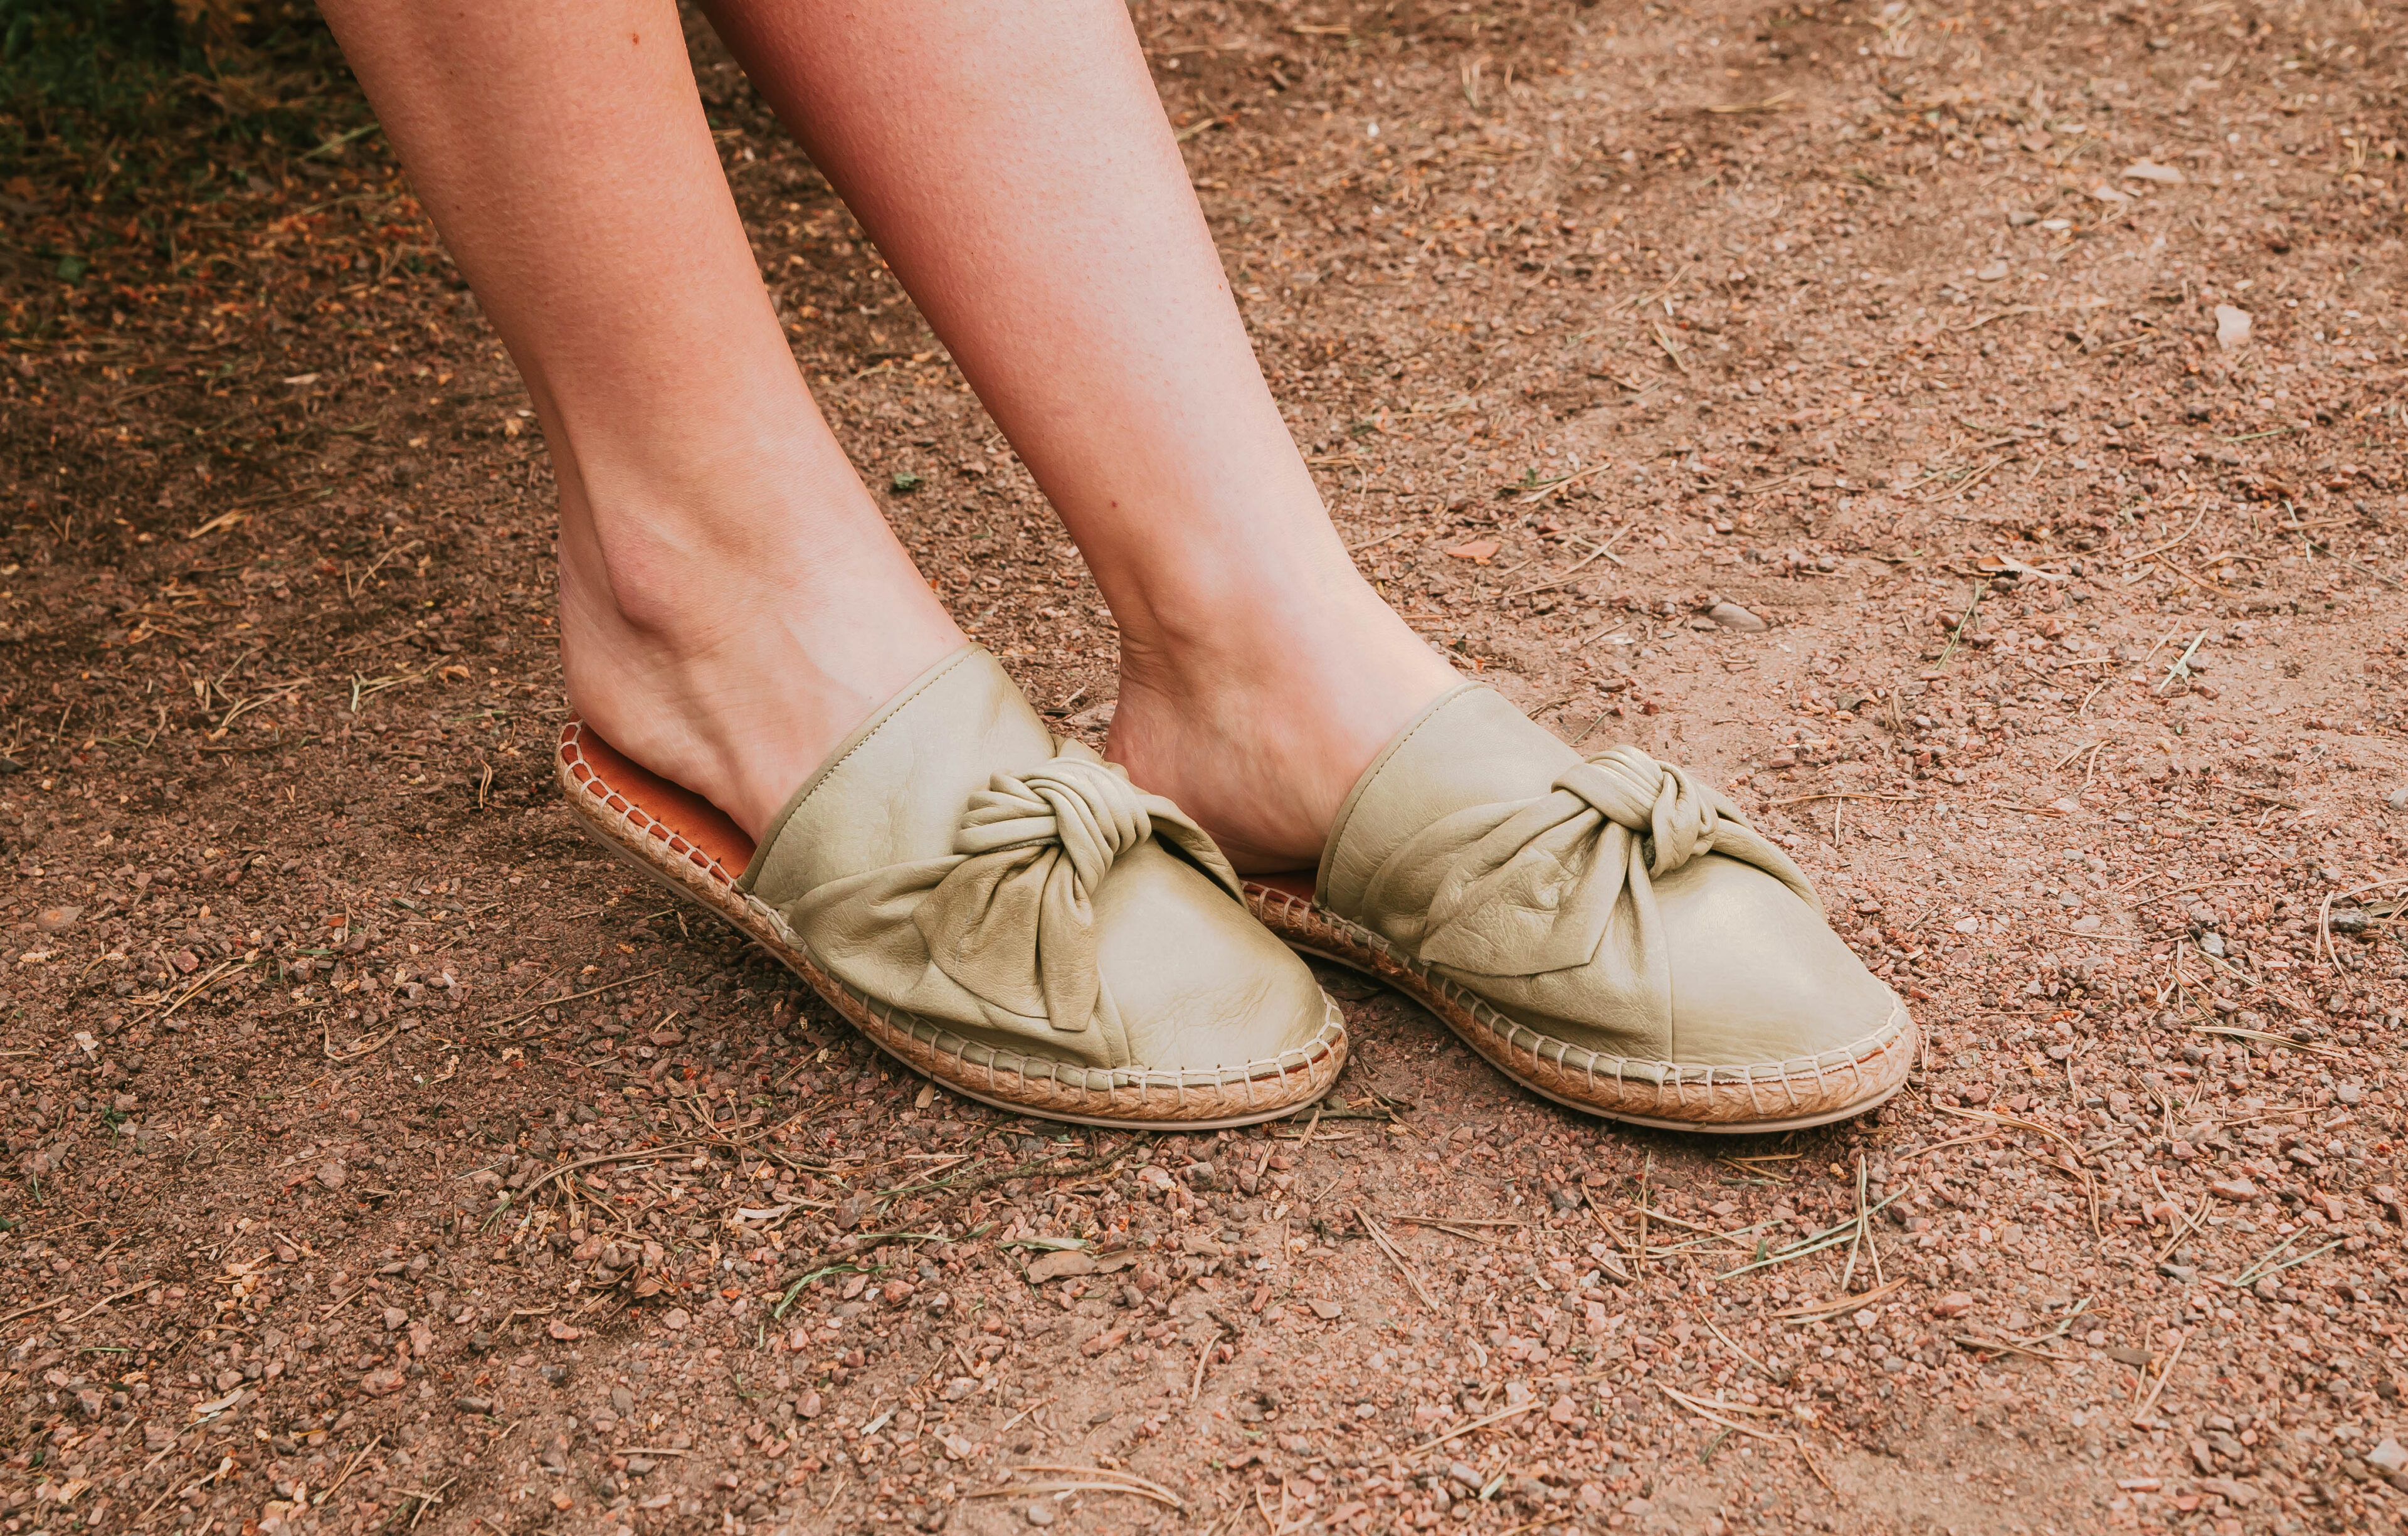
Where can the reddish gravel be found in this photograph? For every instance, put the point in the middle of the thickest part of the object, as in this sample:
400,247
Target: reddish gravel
1831,400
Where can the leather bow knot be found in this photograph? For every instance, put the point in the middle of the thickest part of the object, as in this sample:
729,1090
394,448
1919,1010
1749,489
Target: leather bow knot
1525,888
1676,814
1034,848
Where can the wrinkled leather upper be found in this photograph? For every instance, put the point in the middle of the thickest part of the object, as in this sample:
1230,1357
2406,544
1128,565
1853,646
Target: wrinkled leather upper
1617,903
956,860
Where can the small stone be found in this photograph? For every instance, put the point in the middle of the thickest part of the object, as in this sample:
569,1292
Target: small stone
395,1318
2212,944
1464,1473
379,1384
809,1405
1993,272
2234,1189
1040,1513
1478,552
2239,1494
2389,1457
2397,799
2231,327
1732,616
474,1405
332,1174
2144,170
57,919
675,1319
1954,1304
2349,922
1328,1311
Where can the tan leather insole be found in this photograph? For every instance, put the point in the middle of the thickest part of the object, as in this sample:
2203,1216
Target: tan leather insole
672,807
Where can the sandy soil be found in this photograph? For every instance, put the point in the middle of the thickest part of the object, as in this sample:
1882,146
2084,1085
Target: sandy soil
1845,401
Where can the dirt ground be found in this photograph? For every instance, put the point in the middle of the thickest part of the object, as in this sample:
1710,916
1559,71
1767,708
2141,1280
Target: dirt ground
1974,436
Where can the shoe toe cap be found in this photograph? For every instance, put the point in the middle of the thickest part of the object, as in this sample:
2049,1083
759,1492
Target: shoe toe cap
1194,981
1758,975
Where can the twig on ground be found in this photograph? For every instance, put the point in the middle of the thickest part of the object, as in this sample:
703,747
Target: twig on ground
1388,1248
2163,1376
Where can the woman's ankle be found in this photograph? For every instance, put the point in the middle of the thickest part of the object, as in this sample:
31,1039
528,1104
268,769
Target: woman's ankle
1259,730
734,673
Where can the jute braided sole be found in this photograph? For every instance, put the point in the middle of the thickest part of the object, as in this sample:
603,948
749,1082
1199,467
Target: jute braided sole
1670,1096
626,810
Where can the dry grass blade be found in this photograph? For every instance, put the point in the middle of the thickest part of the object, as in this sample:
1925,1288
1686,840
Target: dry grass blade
320,1501
1388,1248
1670,1220
1639,1253
38,1306
574,996
1839,794
1128,1480
1844,1303
1129,1489
1829,1237
2006,1346
2163,1376
1620,1241
641,1155
1462,1429
1203,1358
197,987
1706,1410
1645,299
1605,550
356,1052
1536,494
1732,1345
1770,104
2234,1031
1953,1141
113,1296
1992,1117
2324,917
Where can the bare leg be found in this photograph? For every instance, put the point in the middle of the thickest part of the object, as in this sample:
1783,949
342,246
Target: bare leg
732,602
1015,169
